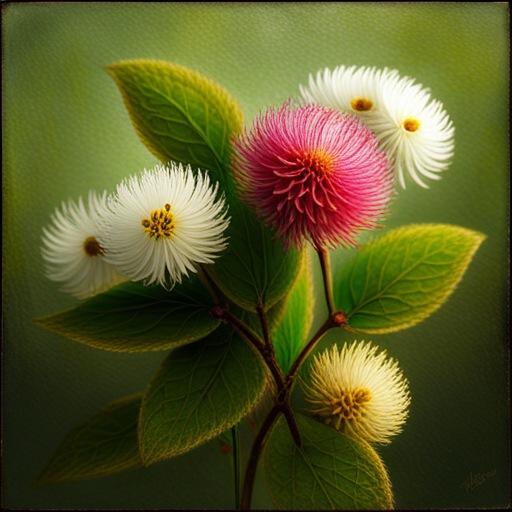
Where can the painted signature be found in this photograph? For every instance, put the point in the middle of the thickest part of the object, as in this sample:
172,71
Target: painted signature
477,479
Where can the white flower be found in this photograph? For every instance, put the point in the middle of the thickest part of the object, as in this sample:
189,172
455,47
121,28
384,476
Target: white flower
163,223
414,130
362,394
351,90
72,251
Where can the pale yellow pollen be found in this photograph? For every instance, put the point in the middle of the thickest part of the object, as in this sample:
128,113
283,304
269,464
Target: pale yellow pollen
92,247
160,223
411,125
361,104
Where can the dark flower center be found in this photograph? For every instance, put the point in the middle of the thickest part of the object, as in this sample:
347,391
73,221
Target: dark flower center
92,247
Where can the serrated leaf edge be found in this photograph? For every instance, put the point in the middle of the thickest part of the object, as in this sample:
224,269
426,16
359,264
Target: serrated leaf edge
478,240
211,434
79,339
366,447
42,479
197,80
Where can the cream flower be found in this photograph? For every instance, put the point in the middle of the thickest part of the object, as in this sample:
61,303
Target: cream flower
413,129
163,223
362,394
72,252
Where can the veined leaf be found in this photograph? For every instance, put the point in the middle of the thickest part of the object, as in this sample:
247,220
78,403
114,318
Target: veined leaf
199,391
404,276
254,268
132,317
182,116
292,332
103,444
179,114
329,472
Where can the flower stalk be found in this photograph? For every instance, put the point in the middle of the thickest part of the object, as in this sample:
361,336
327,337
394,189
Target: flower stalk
236,464
256,450
282,399
325,263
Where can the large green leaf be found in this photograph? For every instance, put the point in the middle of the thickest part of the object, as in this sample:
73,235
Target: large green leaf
329,472
254,268
403,277
179,114
199,391
103,444
132,317
292,332
182,116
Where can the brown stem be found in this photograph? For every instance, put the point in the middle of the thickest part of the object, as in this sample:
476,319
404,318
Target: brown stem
269,355
205,280
292,423
325,263
266,351
282,400
257,448
241,327
264,324
326,326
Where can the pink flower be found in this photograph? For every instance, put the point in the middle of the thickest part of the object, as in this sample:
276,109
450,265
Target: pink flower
313,173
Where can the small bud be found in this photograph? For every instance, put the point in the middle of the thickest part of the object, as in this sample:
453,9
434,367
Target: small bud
339,318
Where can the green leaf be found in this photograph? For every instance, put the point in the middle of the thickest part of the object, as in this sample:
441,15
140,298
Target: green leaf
199,391
132,317
103,444
254,269
403,277
329,472
178,114
183,116
292,332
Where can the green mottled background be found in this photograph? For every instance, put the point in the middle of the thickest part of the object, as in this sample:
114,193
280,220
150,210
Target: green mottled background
66,131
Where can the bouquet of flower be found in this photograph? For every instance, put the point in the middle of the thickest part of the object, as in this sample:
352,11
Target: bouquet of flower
209,256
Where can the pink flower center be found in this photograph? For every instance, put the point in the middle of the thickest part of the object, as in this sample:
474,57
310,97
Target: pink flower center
302,179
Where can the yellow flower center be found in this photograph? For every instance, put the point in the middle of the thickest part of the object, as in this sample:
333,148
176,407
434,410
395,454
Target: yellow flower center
411,125
361,104
350,405
347,406
316,161
160,223
92,247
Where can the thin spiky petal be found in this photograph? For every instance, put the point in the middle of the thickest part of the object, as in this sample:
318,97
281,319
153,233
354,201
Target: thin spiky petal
72,251
359,392
313,174
163,223
413,129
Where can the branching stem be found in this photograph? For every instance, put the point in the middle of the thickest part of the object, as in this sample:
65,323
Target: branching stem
284,384
266,351
325,327
257,448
